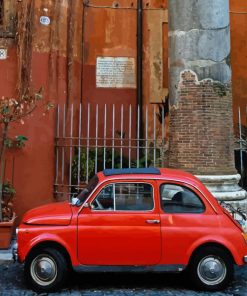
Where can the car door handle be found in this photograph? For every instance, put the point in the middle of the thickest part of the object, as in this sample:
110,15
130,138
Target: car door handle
153,221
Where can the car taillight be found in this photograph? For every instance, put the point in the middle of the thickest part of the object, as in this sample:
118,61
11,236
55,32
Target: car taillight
243,223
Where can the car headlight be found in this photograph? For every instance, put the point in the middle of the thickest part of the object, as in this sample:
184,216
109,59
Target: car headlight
245,227
243,224
244,234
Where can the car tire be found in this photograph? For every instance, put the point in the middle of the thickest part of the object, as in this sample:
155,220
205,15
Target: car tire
211,268
46,270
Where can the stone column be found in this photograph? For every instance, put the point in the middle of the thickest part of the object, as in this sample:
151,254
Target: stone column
201,123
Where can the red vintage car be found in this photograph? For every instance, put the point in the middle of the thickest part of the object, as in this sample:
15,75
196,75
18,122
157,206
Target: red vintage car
133,220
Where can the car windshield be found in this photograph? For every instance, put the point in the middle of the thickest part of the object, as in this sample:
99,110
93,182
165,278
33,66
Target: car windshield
83,195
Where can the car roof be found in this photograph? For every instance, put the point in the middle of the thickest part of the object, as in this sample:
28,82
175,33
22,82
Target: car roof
162,174
148,173
130,171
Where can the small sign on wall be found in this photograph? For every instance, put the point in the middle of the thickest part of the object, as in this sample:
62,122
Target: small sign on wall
3,53
115,72
45,20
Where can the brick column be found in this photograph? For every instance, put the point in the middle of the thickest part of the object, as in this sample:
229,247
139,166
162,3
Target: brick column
201,125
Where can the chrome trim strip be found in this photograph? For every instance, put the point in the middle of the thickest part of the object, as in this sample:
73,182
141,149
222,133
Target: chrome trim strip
123,268
15,246
15,254
153,221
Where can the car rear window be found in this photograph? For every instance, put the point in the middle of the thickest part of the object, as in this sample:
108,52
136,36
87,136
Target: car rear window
180,199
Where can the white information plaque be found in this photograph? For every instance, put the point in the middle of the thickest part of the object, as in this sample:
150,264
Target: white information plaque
115,72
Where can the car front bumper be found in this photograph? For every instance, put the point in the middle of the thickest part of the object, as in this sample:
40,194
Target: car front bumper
245,259
15,253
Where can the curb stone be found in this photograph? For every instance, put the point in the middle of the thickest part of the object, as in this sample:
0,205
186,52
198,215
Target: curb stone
6,255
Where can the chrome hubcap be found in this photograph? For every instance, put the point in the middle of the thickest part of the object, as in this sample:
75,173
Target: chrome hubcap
211,270
44,270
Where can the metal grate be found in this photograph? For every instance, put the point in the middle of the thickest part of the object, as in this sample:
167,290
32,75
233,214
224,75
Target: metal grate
241,150
91,138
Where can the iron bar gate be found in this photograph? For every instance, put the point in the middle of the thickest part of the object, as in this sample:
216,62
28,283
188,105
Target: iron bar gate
241,150
91,138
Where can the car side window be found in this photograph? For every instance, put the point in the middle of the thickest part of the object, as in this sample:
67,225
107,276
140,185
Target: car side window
134,197
125,197
179,199
105,199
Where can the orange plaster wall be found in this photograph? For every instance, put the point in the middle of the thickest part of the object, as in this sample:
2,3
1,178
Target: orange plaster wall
34,164
8,70
238,15
32,168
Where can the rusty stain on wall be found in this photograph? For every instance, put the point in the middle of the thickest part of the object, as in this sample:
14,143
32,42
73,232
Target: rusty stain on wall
238,18
156,54
7,18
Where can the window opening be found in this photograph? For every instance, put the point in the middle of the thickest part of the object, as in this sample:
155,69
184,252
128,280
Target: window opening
179,199
125,197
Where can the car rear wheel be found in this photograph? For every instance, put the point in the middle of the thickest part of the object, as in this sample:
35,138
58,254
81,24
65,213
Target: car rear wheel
46,270
211,268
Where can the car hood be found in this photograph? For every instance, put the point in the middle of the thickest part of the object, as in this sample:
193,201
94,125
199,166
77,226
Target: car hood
59,213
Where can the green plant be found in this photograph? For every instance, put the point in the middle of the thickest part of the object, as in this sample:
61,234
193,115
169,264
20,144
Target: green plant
20,141
102,154
82,166
7,200
13,110
17,142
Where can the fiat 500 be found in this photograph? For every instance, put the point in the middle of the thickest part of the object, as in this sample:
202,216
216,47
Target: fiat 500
133,220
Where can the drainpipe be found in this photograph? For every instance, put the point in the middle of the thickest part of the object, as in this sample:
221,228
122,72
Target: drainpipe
139,62
84,3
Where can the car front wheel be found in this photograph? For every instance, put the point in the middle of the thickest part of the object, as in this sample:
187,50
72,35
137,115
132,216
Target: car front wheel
211,268
46,270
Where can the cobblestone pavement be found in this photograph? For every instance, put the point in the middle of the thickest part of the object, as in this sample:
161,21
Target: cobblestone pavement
12,284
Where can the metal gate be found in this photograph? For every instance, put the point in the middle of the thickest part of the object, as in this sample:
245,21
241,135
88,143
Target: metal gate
91,138
241,149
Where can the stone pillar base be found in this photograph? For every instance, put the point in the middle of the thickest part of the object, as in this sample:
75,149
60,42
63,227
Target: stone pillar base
226,188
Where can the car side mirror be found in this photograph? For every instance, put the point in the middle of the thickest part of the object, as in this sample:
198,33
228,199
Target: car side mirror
75,201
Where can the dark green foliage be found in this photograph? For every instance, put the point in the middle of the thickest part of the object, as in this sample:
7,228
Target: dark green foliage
109,156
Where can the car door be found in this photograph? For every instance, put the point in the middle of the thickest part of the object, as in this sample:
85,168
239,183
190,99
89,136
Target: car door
186,218
122,226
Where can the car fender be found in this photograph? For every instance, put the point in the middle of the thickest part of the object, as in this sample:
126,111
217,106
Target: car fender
48,238
218,240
